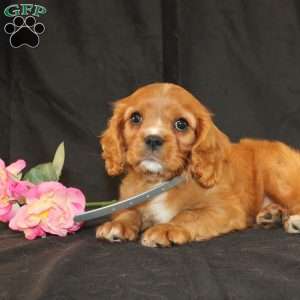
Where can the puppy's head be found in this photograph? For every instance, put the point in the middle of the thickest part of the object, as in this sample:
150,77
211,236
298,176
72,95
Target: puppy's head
161,130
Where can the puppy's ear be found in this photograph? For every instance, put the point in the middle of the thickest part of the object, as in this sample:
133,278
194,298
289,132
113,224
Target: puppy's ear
209,153
112,141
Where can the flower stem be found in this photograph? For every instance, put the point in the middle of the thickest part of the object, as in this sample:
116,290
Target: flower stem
99,203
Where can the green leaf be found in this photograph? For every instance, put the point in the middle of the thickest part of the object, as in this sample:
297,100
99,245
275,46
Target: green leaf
59,159
40,173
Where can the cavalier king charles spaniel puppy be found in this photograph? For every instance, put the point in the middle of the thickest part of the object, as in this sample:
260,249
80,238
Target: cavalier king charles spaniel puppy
162,131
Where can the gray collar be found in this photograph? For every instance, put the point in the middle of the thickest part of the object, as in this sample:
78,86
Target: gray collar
132,201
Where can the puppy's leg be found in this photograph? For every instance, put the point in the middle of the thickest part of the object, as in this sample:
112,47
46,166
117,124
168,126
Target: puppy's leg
193,225
281,168
274,215
270,216
290,215
291,220
289,197
125,225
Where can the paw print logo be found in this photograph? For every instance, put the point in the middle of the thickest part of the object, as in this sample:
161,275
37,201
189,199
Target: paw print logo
24,31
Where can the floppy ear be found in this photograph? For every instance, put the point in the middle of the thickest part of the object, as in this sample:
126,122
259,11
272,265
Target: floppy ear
209,153
112,142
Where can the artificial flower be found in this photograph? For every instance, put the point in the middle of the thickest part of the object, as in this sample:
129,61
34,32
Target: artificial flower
50,208
10,188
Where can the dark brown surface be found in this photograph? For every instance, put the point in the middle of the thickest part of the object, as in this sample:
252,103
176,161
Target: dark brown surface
255,264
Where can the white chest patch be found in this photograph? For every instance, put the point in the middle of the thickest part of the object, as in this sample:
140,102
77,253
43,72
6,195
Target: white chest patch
159,212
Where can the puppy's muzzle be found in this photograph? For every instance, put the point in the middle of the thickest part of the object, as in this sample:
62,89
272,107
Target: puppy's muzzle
154,142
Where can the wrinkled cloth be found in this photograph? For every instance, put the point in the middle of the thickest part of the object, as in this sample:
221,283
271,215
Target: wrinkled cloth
255,264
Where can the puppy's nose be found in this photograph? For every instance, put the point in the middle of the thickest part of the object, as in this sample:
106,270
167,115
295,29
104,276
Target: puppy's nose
153,141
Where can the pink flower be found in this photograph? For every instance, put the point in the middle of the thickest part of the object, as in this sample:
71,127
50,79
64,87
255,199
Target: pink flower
10,188
50,208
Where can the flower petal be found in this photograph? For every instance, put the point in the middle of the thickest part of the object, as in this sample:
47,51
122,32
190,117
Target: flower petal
50,208
16,167
32,233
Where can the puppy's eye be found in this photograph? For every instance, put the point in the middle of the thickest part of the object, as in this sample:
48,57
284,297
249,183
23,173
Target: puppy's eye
136,118
181,124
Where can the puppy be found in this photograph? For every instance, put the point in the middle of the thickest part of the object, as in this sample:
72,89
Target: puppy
161,131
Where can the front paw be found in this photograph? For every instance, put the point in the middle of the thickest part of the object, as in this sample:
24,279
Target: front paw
116,231
165,235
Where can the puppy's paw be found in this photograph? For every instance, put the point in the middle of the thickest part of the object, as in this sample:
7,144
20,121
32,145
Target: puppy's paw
116,231
292,224
270,216
165,235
